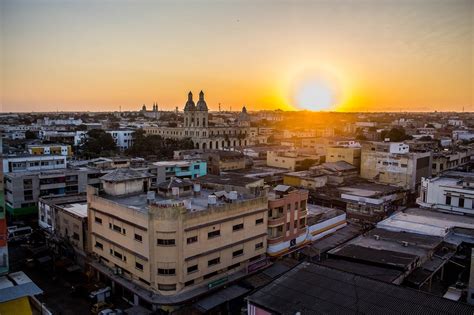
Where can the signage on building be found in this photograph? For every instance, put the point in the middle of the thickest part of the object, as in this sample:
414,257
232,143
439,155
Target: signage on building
257,265
217,282
293,243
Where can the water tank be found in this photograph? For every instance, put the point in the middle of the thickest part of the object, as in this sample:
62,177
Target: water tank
175,191
233,195
212,199
187,204
197,187
150,196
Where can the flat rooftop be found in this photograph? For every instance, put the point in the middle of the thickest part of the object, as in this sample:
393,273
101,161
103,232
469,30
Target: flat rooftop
427,222
233,179
193,203
79,209
368,189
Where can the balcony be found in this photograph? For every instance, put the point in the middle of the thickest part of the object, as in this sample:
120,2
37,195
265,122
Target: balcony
276,221
275,239
302,213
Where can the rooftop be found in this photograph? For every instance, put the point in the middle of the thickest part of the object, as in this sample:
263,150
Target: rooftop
234,179
124,174
79,209
314,289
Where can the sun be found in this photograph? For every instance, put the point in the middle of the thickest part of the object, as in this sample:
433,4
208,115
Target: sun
315,90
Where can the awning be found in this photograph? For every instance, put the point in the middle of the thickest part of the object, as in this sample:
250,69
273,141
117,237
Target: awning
220,297
19,306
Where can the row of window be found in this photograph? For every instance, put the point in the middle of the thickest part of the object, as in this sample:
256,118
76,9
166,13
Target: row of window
460,202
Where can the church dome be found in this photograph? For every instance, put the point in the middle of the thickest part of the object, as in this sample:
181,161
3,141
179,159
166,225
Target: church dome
190,103
243,115
201,104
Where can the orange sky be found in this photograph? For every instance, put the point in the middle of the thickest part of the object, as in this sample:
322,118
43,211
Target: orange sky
341,55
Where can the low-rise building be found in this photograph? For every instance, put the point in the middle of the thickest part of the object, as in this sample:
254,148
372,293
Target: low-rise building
446,160
123,138
348,154
65,218
291,160
309,179
165,170
451,192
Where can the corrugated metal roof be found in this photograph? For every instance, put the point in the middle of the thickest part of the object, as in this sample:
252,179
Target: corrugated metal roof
315,289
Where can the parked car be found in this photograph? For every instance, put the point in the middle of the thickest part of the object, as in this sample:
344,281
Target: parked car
100,306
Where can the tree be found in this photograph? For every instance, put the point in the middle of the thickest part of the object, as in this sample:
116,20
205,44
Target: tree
157,146
396,134
98,143
30,135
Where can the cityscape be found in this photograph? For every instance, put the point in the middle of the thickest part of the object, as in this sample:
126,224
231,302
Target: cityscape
247,158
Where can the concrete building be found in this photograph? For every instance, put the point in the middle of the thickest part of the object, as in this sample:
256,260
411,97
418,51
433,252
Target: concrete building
451,192
348,154
446,160
204,136
309,179
291,160
170,249
23,189
287,226
392,163
50,149
32,163
123,138
66,218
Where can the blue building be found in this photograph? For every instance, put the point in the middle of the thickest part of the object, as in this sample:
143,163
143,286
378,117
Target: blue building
165,170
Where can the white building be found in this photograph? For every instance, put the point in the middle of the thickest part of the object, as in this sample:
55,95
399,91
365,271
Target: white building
32,163
452,192
123,138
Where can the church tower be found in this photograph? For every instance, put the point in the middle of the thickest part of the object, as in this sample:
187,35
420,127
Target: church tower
189,111
202,114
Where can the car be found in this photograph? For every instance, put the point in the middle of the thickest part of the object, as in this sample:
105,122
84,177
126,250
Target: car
100,306
110,311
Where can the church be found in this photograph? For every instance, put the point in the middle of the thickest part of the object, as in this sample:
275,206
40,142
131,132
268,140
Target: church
196,127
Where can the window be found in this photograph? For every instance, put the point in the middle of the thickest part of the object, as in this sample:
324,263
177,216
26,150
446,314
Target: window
196,167
233,266
117,228
259,221
118,255
167,272
75,236
238,227
138,266
165,242
461,202
98,220
214,234
303,204
295,224
99,245
188,283
166,287
448,200
238,253
192,239
302,223
214,261
192,268
288,226
138,237
259,245
296,205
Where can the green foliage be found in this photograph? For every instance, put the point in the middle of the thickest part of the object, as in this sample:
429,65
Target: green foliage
156,146
98,143
396,134
30,135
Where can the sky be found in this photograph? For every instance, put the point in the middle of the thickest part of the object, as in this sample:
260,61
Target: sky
351,55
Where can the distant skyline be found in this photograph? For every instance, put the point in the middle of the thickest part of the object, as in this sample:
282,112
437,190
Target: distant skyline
352,55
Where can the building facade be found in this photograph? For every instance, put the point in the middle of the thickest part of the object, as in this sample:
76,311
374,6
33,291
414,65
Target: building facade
196,127
174,244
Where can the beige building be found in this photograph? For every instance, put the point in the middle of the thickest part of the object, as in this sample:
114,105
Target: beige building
291,160
392,163
174,247
350,155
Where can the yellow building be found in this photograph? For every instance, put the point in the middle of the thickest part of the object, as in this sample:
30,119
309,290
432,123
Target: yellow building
350,155
50,149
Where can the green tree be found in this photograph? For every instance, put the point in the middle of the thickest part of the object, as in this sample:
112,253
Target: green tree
396,134
98,143
156,146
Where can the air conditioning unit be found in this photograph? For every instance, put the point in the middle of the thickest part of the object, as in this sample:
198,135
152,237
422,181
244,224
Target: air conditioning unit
405,244
377,237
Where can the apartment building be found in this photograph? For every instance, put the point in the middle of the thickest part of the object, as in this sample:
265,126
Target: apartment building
287,226
170,246
23,189
452,191
393,163
123,138
31,163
